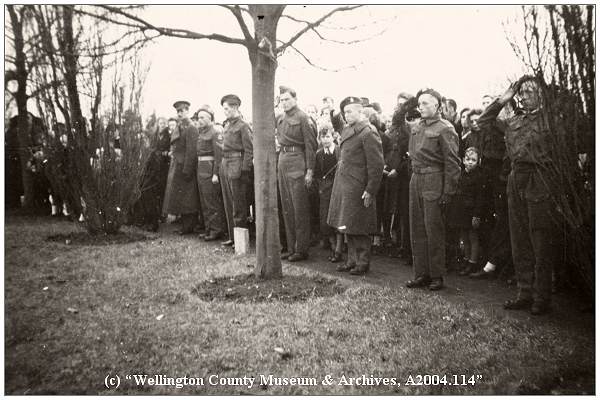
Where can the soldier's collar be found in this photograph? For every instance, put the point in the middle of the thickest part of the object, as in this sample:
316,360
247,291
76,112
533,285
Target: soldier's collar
292,110
430,121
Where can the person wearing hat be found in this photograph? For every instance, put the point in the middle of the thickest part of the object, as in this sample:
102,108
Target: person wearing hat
181,194
235,165
207,174
357,179
298,146
433,151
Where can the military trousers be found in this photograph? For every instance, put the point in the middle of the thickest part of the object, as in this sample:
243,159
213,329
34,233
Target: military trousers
294,201
533,232
427,228
359,250
499,243
233,187
211,199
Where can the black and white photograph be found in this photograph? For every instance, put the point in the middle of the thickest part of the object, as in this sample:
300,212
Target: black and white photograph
318,199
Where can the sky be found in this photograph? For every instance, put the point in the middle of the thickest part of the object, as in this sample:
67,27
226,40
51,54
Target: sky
461,51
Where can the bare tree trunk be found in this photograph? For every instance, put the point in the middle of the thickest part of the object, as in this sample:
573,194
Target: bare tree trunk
264,65
23,123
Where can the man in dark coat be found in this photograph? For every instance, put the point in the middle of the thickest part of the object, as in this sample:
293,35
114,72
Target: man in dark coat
357,179
296,163
208,175
235,165
433,150
181,195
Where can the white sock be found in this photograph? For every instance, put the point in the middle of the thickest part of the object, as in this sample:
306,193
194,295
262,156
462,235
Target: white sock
489,267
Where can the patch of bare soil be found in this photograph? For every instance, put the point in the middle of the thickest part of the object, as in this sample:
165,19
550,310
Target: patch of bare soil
247,289
85,239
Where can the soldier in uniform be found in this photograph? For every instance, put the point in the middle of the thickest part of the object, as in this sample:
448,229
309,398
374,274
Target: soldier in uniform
235,165
207,174
296,163
181,194
531,214
357,179
433,150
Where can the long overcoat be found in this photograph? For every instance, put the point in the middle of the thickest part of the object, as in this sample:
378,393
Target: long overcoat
360,169
181,195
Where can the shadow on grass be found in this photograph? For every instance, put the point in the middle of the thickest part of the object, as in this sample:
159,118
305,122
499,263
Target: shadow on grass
85,239
247,289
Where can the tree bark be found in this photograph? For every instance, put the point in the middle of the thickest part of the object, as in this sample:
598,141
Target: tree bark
23,123
264,66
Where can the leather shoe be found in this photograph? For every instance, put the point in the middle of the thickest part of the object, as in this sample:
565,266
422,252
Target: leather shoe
518,304
285,255
297,257
227,243
183,233
344,268
213,236
481,274
420,281
337,257
359,270
540,308
436,284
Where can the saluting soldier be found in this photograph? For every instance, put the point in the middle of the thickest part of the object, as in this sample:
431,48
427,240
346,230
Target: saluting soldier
207,174
181,194
235,165
357,179
433,150
296,163
531,213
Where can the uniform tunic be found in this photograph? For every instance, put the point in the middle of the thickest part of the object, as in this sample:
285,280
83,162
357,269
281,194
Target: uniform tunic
297,154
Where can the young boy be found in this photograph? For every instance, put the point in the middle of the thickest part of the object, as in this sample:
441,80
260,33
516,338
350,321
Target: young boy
467,209
325,166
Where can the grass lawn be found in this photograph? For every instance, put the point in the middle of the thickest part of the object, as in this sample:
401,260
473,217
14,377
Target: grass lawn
75,314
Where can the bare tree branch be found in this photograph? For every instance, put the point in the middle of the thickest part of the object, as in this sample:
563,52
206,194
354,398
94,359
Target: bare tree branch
237,12
312,64
313,25
144,25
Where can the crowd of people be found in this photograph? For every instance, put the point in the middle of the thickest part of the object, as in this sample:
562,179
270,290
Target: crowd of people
444,190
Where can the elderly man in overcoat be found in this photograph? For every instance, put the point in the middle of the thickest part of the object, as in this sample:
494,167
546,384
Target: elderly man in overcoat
433,151
357,179
181,195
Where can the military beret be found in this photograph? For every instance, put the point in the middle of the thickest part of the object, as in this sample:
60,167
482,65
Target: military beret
430,92
207,109
375,106
350,100
180,103
231,99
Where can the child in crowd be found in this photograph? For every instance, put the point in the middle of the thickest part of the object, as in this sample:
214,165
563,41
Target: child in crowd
467,209
325,166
